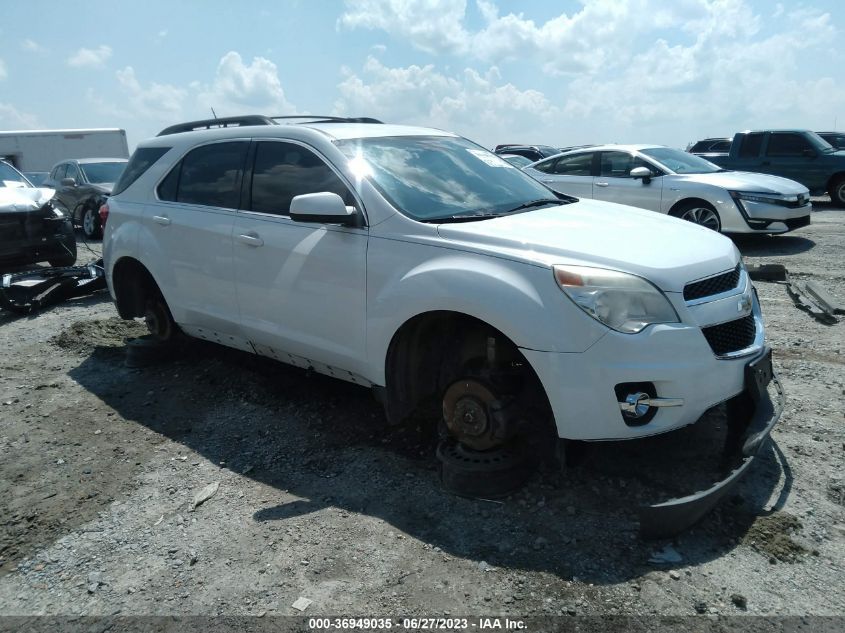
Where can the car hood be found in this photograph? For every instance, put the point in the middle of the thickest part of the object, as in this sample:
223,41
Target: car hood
17,199
746,181
104,187
668,252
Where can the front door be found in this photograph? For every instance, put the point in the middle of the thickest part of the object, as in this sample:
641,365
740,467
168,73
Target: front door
615,184
301,287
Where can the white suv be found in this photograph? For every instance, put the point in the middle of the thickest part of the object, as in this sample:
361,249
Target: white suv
417,263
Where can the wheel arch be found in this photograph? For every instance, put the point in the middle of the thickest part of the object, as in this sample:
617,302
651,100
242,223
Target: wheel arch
423,350
675,209
132,283
832,182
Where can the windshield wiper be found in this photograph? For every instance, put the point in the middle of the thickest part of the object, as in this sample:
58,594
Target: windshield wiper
447,219
535,203
486,215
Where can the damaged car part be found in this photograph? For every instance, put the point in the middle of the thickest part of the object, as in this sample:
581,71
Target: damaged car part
29,291
751,417
34,226
806,295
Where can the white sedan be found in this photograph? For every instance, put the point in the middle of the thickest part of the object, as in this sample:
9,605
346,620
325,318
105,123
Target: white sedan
674,182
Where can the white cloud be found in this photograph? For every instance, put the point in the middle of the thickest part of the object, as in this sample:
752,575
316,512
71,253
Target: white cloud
13,119
238,88
31,46
431,25
3,73
153,100
476,105
90,57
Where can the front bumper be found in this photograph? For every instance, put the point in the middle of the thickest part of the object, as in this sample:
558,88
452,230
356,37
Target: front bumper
751,419
773,218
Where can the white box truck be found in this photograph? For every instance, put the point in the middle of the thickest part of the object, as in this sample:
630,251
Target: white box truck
39,150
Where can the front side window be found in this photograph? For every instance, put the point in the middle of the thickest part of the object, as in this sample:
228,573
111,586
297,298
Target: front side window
620,164
577,165
781,144
72,172
209,175
443,178
285,170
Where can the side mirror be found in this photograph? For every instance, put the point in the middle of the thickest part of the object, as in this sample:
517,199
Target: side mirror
324,208
642,172
68,182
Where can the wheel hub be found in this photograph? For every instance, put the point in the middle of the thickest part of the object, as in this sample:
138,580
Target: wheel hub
467,412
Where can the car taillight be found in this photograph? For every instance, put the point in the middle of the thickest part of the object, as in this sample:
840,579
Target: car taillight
104,214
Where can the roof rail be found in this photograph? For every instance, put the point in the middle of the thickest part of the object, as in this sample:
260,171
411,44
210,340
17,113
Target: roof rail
319,118
229,121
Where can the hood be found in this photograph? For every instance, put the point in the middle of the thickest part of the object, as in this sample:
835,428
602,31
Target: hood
18,199
747,181
668,252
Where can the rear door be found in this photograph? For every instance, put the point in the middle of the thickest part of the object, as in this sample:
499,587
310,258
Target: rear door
301,286
615,184
571,174
191,233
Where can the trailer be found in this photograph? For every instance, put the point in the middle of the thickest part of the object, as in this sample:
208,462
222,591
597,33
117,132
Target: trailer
39,150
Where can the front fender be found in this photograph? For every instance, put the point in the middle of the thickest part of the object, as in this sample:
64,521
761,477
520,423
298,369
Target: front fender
520,300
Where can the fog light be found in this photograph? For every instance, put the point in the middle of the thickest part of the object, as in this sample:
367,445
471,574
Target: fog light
638,402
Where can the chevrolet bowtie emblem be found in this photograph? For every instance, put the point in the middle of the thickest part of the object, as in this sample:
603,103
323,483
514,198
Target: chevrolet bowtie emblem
744,304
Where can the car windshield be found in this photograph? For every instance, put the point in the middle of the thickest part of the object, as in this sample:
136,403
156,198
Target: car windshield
819,143
11,177
99,173
680,162
431,178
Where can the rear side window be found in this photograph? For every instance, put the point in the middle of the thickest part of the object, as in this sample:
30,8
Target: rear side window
209,175
284,170
545,166
142,159
750,147
577,165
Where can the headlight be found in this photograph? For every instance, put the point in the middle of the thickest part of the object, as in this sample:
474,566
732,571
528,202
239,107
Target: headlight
624,302
763,197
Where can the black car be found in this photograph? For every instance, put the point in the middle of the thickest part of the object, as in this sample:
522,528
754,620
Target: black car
836,139
711,146
532,152
82,185
33,226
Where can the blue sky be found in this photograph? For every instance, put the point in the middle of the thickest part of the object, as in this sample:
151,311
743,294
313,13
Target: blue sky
558,72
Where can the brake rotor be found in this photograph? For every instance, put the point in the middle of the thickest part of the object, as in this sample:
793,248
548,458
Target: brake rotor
467,411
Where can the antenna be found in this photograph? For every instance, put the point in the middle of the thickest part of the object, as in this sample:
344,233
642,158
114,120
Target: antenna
213,112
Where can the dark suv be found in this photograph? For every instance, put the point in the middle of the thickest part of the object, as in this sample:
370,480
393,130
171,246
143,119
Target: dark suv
83,185
532,152
33,226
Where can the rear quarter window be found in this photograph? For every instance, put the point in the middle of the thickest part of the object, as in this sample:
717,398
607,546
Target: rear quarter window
142,159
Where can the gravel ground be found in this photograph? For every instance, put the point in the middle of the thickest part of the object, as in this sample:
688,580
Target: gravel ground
313,497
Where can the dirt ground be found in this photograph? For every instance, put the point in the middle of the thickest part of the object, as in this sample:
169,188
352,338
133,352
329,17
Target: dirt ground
316,498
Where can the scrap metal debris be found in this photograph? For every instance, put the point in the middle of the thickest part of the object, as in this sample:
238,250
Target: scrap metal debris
204,495
806,295
31,290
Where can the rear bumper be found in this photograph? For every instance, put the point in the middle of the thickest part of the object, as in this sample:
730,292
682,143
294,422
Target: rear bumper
751,419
